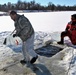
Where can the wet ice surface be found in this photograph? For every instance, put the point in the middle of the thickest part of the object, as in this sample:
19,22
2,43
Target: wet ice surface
12,50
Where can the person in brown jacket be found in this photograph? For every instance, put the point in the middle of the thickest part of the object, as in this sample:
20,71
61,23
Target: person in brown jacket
25,31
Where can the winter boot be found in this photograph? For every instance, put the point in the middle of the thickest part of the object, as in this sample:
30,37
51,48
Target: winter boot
23,61
33,59
61,42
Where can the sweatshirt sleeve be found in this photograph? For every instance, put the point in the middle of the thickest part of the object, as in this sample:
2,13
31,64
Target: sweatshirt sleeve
68,27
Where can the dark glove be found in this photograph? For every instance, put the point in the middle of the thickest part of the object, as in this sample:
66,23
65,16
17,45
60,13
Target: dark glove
14,35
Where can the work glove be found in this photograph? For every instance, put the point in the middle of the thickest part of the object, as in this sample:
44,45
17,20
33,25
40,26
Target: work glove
14,35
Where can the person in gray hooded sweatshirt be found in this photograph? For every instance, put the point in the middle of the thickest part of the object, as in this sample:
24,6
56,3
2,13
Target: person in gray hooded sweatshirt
25,31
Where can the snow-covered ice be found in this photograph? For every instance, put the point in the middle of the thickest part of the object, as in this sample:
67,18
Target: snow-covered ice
48,26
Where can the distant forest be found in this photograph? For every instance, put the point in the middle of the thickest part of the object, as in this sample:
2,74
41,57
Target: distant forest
32,5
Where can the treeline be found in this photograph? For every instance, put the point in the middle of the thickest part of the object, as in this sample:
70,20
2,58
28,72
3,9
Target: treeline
32,5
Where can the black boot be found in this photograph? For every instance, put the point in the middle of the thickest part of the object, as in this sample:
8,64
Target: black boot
61,42
23,61
33,59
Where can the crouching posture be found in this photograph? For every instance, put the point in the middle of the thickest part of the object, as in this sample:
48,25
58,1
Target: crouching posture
70,31
25,31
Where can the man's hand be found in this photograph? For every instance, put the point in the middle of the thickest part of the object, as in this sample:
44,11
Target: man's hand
14,35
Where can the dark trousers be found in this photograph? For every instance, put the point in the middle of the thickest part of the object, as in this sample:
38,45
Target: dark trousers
69,34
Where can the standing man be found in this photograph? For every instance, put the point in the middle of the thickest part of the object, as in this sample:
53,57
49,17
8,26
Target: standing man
25,31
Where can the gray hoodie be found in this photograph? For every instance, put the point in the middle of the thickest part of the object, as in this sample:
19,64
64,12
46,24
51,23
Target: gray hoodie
23,27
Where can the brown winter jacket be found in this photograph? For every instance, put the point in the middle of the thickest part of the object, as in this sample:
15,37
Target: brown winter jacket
23,27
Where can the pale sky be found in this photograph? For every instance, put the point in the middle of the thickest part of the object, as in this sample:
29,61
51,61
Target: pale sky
45,2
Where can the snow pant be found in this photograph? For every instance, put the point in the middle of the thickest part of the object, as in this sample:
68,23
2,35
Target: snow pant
28,48
69,34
